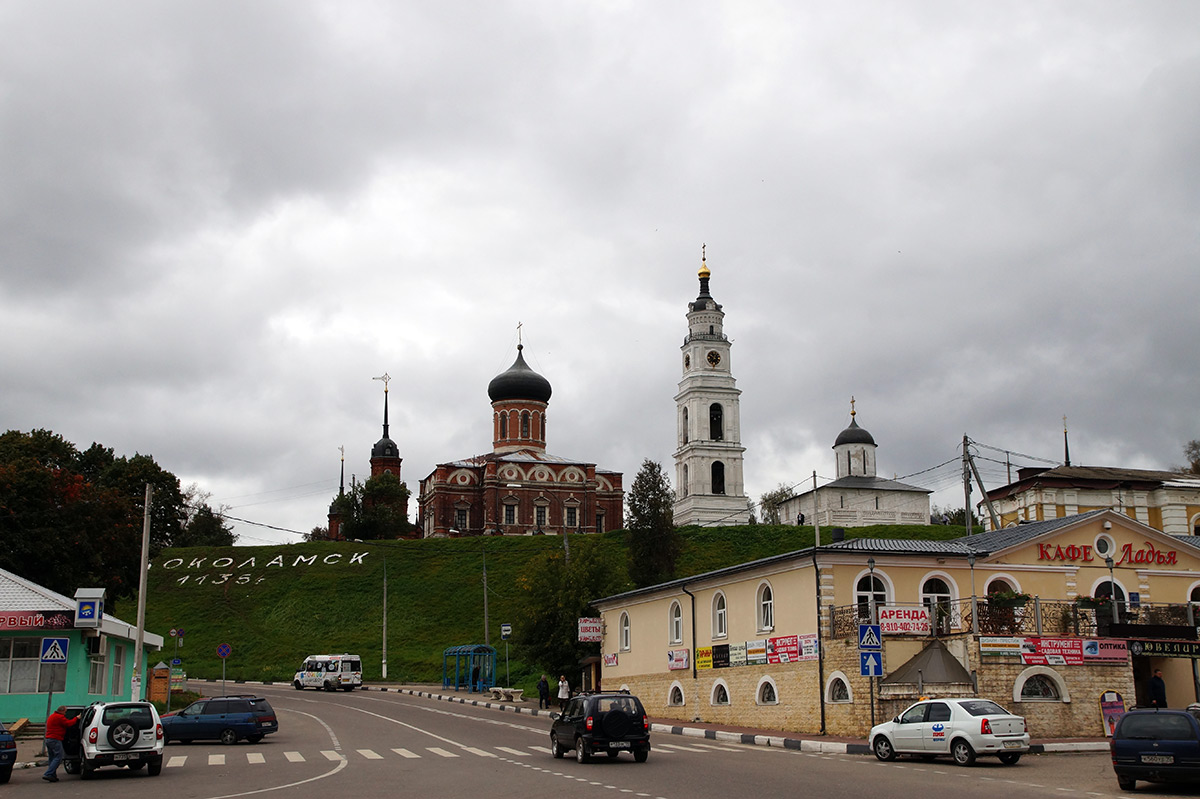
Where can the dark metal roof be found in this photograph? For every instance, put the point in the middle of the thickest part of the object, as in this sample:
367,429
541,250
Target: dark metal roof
935,664
872,484
894,546
1094,477
854,435
519,382
385,448
997,540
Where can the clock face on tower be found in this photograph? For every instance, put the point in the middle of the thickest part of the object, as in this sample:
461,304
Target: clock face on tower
714,357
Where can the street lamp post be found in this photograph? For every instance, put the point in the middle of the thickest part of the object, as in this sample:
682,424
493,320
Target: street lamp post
871,595
1112,587
974,600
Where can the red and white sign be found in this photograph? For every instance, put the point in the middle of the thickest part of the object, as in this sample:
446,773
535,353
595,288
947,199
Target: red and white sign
792,648
37,620
610,660
1086,554
590,630
904,620
678,659
1072,651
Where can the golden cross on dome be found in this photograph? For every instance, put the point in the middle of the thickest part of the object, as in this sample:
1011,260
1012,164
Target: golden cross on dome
852,411
385,377
519,342
342,449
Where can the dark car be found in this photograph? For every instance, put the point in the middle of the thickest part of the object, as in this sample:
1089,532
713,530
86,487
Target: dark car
594,723
225,718
8,754
1156,746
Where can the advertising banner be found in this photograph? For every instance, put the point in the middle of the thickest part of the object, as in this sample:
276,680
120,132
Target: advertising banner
996,645
610,660
589,630
784,649
720,656
1112,707
36,620
1057,651
904,620
1166,649
678,659
756,652
1052,652
1105,651
737,654
704,657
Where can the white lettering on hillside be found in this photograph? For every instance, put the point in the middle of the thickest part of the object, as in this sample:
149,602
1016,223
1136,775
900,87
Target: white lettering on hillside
213,577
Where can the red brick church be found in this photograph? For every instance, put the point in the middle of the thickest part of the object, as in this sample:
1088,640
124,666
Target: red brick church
519,488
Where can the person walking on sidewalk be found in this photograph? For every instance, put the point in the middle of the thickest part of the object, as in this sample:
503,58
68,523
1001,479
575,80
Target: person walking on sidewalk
56,730
543,693
1158,690
564,692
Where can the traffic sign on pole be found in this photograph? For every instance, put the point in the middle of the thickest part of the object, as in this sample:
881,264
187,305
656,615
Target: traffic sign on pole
869,637
224,651
870,664
505,631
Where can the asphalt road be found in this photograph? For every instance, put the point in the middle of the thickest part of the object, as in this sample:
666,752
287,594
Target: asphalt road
377,744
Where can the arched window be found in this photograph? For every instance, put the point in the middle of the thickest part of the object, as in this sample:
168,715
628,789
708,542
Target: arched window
524,424
716,423
766,693
839,691
718,477
1109,589
935,595
869,588
685,425
676,697
1039,686
684,487
503,425
766,607
624,627
676,624
1195,597
999,585
720,694
719,624
543,426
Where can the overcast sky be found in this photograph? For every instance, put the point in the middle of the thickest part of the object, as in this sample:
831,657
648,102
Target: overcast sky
219,221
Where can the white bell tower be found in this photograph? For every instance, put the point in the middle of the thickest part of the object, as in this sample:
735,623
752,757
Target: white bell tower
708,458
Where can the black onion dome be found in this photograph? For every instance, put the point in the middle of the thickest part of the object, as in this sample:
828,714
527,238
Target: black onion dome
519,383
854,435
385,448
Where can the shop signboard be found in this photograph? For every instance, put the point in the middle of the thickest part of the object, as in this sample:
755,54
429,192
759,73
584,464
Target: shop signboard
37,620
610,660
720,656
704,657
756,652
783,649
590,630
1165,649
1056,651
678,659
737,654
904,620
1112,707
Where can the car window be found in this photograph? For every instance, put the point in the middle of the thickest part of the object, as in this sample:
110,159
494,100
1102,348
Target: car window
914,715
938,711
217,706
238,706
1156,727
982,707
195,708
574,708
260,705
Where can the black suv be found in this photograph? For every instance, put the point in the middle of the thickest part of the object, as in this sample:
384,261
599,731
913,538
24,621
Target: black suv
593,723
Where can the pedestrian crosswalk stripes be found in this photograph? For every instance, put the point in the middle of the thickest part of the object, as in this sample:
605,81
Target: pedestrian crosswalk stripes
260,757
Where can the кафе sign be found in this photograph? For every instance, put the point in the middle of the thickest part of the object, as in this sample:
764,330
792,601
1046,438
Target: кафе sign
1147,555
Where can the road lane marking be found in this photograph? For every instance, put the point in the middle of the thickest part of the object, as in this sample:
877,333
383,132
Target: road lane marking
332,755
176,761
370,754
512,751
294,757
680,748
721,748
480,752
216,760
255,757
440,752
405,753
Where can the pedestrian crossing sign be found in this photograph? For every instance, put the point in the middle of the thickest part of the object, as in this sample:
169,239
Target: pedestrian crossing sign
54,650
869,637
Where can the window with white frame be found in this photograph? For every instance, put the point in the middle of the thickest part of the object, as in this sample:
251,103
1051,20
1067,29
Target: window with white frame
510,513
720,628
540,515
767,694
1040,687
766,607
839,691
460,519
868,588
116,655
676,625
572,517
676,697
96,677
624,627
720,694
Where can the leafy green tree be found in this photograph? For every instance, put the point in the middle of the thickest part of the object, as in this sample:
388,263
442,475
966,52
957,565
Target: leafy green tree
205,528
1191,451
554,595
375,509
770,503
653,542
955,516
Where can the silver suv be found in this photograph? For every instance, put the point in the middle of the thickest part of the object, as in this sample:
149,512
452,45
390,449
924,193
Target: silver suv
128,734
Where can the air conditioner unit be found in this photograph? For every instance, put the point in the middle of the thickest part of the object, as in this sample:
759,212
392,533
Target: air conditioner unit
97,647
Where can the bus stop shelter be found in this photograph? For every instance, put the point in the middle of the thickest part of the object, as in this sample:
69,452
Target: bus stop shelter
469,666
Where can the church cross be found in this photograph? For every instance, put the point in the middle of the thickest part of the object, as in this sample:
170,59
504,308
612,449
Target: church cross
385,378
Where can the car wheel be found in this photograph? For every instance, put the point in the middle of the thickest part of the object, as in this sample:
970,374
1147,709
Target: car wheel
299,687
228,736
86,770
254,738
122,735
555,748
71,766
883,749
155,769
581,753
640,756
5,774
963,754
1009,758
1126,783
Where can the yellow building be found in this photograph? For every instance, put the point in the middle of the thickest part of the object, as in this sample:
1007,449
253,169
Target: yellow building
1011,615
1167,501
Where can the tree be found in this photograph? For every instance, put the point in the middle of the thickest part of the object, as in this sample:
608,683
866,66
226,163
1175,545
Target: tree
653,541
554,595
375,509
202,526
770,503
1191,451
955,516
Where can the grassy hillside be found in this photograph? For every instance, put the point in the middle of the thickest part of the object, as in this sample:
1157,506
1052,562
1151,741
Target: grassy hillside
274,605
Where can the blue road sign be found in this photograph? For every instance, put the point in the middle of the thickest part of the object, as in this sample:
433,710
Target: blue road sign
224,651
870,664
869,637
54,650
505,631
176,661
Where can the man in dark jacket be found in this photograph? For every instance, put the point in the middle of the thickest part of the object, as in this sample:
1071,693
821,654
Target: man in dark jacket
543,687
56,730
1158,689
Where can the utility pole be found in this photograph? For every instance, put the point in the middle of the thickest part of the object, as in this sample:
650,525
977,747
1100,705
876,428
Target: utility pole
141,609
487,638
966,460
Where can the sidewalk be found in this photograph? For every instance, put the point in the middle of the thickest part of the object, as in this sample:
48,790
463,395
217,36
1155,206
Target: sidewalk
804,742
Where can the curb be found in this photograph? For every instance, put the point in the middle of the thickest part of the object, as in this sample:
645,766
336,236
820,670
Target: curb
778,741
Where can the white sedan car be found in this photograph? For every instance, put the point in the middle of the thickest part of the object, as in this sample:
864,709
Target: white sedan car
961,728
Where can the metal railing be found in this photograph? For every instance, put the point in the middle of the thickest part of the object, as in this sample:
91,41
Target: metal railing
1032,617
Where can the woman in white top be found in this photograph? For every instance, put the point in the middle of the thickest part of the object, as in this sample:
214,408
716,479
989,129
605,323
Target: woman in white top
564,692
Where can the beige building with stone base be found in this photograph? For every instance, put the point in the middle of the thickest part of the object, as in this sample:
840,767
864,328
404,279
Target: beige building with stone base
1047,619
